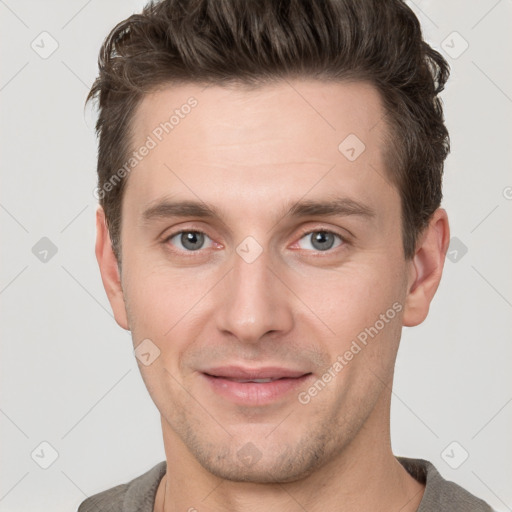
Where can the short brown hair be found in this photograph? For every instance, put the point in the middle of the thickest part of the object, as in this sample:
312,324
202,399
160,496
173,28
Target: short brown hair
254,42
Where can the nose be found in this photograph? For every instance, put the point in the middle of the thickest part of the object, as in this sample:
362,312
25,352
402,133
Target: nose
255,301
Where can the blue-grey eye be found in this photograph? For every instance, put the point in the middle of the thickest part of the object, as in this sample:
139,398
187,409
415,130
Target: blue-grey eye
321,240
189,240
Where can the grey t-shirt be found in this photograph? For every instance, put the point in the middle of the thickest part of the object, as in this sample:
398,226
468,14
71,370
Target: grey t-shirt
138,495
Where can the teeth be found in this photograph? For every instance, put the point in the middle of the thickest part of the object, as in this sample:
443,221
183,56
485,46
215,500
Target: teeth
255,380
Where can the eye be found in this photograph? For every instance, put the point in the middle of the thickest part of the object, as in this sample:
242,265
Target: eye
321,240
189,240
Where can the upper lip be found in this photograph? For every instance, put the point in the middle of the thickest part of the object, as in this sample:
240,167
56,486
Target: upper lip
267,372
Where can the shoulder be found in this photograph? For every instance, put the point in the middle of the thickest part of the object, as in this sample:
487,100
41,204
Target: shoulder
111,500
136,495
441,494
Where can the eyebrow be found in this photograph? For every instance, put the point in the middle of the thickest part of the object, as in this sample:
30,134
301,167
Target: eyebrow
304,208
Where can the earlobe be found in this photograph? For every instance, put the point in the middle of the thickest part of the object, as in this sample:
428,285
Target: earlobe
109,270
426,268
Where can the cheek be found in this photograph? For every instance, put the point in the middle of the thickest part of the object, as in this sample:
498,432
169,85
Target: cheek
360,310
160,298
350,298
168,307
161,306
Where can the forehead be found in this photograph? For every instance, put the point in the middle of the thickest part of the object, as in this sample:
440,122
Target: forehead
256,145
238,114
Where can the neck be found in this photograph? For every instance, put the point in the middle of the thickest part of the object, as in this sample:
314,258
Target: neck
364,476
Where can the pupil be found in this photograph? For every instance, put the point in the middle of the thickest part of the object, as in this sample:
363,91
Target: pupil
323,240
192,240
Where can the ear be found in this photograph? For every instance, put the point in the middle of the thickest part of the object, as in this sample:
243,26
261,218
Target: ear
109,270
426,268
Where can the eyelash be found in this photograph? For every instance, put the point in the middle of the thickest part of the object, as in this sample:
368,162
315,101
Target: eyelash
343,240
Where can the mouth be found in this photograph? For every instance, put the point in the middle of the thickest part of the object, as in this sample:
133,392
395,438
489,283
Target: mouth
257,386
254,374
247,380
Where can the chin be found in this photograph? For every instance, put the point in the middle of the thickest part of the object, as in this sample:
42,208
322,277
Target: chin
263,474
274,463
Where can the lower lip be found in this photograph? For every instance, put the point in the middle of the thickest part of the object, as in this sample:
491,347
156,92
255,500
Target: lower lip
255,393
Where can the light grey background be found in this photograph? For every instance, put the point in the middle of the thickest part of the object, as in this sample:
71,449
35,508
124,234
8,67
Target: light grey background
68,374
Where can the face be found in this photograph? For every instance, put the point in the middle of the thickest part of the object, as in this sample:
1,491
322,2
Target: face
262,258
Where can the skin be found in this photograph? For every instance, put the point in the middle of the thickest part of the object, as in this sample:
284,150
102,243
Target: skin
252,154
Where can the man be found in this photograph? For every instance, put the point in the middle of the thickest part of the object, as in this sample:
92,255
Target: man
269,184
